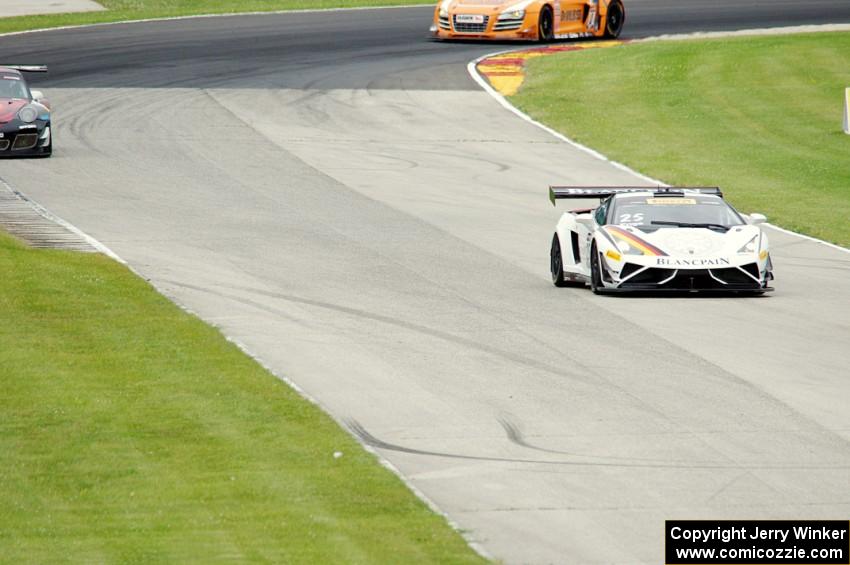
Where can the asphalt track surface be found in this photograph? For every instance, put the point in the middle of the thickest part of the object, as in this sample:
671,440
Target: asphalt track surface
335,193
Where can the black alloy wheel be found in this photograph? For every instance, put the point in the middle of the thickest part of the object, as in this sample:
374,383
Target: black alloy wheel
556,263
614,20
545,25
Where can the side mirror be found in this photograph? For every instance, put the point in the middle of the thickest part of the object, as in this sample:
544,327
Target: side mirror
755,219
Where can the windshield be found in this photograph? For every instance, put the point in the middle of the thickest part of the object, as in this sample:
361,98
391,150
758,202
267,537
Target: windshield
13,87
649,213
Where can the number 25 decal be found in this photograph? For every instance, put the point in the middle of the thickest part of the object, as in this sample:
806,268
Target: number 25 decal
635,218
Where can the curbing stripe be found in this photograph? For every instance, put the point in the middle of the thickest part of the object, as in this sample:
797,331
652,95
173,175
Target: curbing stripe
472,68
384,462
47,215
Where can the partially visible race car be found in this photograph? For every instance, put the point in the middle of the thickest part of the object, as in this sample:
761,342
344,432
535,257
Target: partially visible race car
659,239
531,20
24,114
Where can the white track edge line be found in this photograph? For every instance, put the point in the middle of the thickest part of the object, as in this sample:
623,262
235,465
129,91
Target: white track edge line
472,68
384,462
50,216
207,16
342,424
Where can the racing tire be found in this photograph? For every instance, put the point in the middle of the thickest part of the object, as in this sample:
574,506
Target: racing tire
614,20
595,274
556,263
545,25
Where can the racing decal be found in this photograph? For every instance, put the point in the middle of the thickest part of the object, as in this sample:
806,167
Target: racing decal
581,35
630,219
634,241
571,15
668,262
592,21
506,72
671,201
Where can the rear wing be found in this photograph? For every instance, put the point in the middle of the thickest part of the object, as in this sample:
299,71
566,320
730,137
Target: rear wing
26,68
600,192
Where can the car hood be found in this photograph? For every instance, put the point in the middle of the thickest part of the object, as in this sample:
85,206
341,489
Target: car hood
479,5
9,108
693,242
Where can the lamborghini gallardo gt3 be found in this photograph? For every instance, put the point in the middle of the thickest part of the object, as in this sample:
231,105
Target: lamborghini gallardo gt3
24,114
530,20
659,239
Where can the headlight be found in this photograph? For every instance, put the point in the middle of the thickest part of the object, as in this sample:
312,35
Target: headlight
444,12
27,114
512,15
628,249
750,246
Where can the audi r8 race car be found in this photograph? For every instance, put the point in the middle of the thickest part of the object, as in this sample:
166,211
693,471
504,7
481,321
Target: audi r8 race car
532,20
656,239
24,114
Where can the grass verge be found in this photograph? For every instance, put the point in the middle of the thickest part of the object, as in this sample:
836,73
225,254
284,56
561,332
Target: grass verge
133,432
759,116
121,10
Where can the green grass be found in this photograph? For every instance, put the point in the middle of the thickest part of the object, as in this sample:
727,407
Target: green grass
761,117
120,10
130,431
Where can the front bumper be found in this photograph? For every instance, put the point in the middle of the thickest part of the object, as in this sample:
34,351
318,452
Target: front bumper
492,28
16,142
744,278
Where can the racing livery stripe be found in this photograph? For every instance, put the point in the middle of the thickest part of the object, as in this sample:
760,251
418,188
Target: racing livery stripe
608,237
635,241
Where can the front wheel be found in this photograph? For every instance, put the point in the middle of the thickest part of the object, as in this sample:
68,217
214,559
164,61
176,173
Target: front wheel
595,273
614,19
545,25
556,263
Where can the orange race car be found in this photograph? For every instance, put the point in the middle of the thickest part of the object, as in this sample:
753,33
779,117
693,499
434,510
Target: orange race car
533,20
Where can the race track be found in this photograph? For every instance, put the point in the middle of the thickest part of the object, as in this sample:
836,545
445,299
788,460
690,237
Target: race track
334,192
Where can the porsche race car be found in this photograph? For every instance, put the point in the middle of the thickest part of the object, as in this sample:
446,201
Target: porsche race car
659,239
24,114
531,20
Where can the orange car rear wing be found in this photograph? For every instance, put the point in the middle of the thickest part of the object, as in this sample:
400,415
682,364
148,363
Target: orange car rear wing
560,192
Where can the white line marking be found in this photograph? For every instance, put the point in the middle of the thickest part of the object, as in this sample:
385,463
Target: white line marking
786,30
206,16
48,215
245,350
472,68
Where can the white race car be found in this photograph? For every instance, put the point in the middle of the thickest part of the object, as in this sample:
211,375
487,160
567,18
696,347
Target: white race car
657,239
